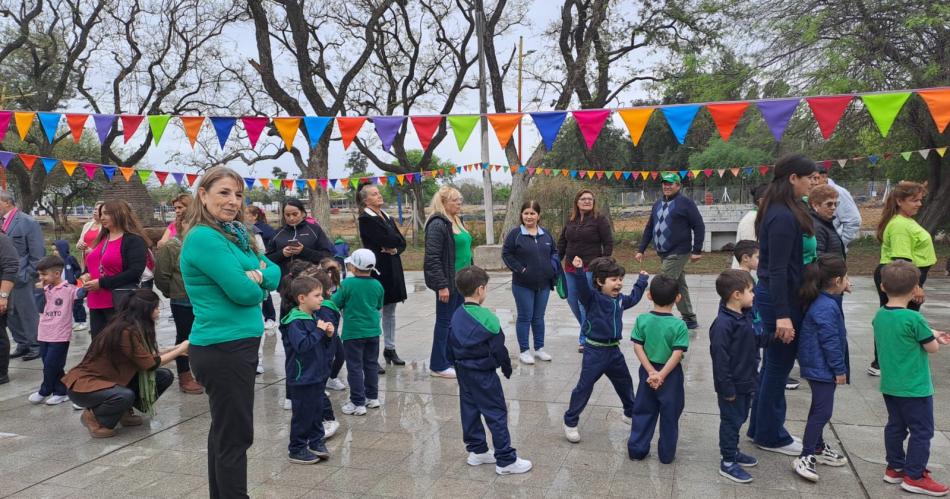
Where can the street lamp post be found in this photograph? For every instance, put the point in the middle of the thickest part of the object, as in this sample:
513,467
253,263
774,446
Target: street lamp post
483,110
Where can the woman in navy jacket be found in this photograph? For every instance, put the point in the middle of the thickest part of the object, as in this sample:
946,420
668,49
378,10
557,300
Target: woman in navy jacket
781,222
531,254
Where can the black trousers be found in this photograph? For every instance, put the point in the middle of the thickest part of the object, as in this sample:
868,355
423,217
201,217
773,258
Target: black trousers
108,405
184,316
4,347
98,318
227,371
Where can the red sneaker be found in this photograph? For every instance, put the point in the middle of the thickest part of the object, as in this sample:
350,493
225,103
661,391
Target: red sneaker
893,476
924,485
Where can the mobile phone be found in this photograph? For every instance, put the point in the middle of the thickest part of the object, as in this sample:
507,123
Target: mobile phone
293,242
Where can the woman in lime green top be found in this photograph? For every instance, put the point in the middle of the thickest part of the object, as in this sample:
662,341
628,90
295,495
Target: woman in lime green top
902,238
226,279
448,249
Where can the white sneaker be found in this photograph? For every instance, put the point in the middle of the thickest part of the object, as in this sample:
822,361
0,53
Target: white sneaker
448,373
827,457
792,449
287,405
56,399
260,366
330,428
805,467
77,407
80,326
626,419
336,384
540,354
373,403
270,327
526,357
36,398
572,434
486,457
519,466
351,408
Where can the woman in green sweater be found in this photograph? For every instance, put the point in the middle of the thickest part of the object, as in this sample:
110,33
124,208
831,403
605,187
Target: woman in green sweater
226,278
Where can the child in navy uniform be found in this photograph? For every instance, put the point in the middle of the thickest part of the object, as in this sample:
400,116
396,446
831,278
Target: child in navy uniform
603,331
734,347
660,340
476,347
308,367
330,314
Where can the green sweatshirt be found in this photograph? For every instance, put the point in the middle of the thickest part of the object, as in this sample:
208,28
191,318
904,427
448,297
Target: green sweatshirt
227,303
360,299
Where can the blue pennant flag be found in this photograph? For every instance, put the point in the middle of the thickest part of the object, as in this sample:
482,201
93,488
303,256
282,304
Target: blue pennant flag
250,182
109,171
301,184
680,118
392,180
548,125
873,159
315,126
49,164
5,158
573,173
49,122
747,170
333,181
222,127
178,177
626,175
684,173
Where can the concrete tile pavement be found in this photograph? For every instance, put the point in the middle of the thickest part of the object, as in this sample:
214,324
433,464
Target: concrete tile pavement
412,446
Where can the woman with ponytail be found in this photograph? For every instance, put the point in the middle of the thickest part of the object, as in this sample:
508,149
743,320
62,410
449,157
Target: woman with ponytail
781,223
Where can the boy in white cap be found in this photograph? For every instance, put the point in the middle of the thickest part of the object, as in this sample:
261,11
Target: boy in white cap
360,298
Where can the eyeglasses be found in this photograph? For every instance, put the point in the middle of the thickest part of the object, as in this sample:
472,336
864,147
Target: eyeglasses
831,204
586,200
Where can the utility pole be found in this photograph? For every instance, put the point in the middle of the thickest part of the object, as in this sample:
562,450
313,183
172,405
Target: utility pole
483,110
520,63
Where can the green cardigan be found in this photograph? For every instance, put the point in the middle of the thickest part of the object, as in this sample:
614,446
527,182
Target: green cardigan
226,302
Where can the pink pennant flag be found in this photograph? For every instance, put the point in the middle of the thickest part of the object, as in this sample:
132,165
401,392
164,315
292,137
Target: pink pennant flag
254,125
90,169
591,122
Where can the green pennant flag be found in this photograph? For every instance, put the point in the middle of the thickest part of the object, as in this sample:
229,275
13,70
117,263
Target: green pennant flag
157,124
906,155
144,175
884,108
462,127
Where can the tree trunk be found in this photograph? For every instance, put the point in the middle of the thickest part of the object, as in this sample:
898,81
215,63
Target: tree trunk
934,213
317,167
418,211
519,191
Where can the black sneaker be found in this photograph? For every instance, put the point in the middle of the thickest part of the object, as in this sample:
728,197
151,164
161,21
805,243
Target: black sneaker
792,384
320,450
19,352
303,457
32,355
4,379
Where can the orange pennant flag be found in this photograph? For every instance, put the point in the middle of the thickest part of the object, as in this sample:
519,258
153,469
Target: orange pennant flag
401,179
312,182
636,120
504,125
287,128
565,173
939,103
24,119
617,175
127,172
28,159
70,167
726,116
265,183
76,123
735,172
383,180
349,126
192,125
345,182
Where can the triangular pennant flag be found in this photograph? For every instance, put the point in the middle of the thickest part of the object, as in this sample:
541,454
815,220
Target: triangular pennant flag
144,175
249,182
600,174
315,126
265,183
721,172
636,120
763,170
777,113
504,126
680,118
410,177
301,184
161,176
312,183
49,122
590,174
726,116
826,165
828,111
386,129
941,151
254,125
873,158
906,155
28,159
109,172
191,178
938,101
617,175
222,128
130,123
708,172
323,183
287,128
157,124
90,169
345,182
531,171
49,164
70,167
747,170
842,162
924,153
734,171
462,126
127,172
591,122
349,126
548,125
5,117
5,157
401,179
103,124
655,174
425,127
192,125
884,108
573,173
24,120
178,177
686,173
626,175
76,124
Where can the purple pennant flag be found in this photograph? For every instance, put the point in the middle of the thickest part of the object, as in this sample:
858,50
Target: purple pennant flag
387,127
178,177
5,158
103,125
777,113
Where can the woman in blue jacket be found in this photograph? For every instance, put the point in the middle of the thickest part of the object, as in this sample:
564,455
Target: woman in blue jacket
531,254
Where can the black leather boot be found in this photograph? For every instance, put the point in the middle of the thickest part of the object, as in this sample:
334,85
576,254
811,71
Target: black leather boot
392,357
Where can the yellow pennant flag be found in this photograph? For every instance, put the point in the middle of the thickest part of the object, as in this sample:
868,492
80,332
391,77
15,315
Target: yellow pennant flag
644,174
127,172
590,174
70,167
287,128
941,151
24,119
636,121
695,173
312,182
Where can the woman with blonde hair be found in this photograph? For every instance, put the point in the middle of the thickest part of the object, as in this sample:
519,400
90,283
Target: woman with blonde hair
902,238
226,278
448,249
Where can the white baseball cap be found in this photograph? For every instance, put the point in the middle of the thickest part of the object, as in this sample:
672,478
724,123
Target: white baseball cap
362,259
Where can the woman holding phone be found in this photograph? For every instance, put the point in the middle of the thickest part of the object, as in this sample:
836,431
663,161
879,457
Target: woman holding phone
298,239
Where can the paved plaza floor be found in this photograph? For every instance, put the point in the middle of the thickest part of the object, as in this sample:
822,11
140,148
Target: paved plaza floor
412,446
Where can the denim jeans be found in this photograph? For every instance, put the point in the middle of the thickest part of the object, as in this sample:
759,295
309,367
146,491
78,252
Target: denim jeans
54,360
576,306
443,326
531,304
389,326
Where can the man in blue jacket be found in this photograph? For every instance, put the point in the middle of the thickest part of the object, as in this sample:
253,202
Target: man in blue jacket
676,229
27,236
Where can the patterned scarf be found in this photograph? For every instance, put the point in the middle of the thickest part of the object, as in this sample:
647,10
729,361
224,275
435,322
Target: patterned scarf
239,231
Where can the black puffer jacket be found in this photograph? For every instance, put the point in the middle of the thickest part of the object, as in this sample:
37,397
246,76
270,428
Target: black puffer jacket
439,262
829,241
316,245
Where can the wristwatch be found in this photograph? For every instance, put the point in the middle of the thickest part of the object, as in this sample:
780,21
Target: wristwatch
4,294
